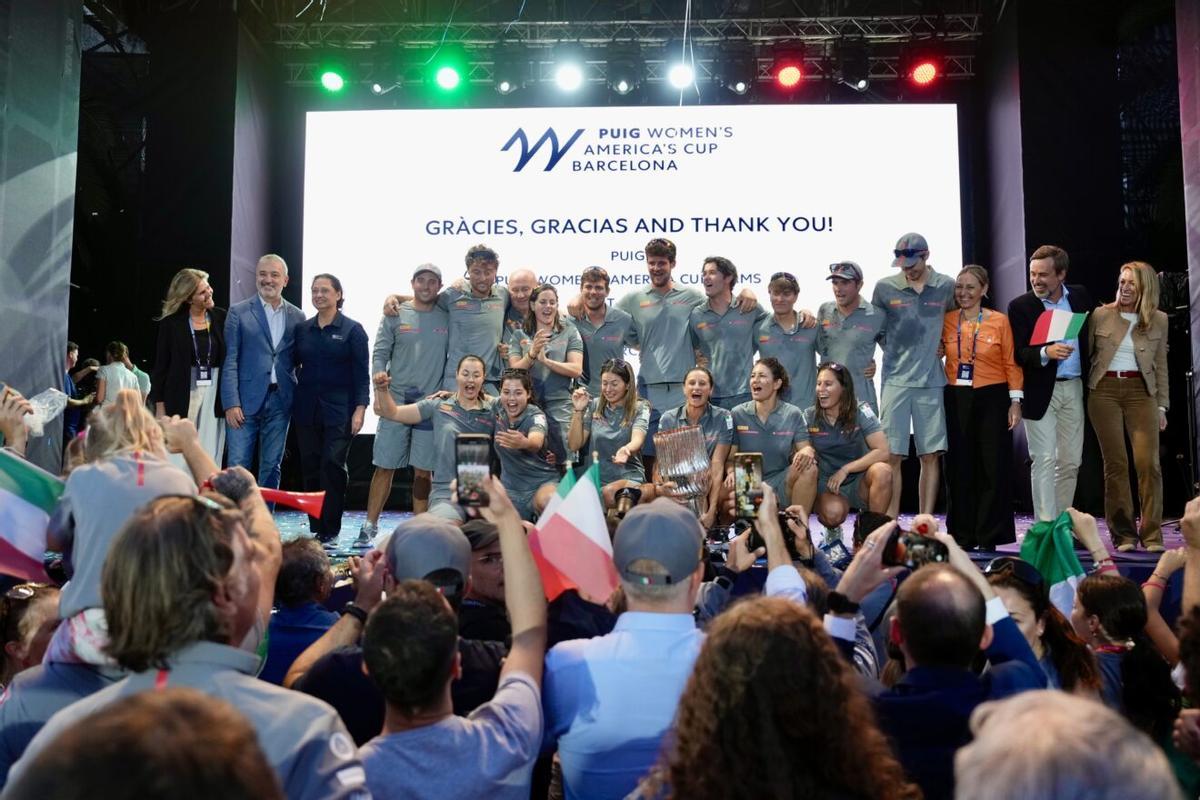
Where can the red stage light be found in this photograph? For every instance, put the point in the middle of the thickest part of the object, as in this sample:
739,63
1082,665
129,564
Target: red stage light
789,75
924,72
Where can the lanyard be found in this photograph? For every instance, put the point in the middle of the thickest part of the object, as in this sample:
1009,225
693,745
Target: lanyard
974,339
196,347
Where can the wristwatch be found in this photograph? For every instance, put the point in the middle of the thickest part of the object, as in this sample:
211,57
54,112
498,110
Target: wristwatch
355,611
840,604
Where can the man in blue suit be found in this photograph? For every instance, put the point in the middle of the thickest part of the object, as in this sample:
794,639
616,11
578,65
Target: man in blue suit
947,615
257,379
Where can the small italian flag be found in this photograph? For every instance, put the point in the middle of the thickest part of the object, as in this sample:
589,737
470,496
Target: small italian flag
570,542
1057,326
27,498
1048,547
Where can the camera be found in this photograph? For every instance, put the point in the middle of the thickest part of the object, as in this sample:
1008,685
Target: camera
912,550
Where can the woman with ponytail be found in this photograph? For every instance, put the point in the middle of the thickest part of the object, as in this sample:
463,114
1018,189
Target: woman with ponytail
1110,615
1065,658
126,466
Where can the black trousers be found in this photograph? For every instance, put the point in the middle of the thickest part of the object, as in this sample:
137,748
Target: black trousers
979,469
323,450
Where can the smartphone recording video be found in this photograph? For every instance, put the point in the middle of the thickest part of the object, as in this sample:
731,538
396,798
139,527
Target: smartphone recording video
747,483
472,456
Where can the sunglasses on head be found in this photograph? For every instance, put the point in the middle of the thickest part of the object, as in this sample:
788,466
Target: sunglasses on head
1019,568
908,252
614,363
787,276
513,373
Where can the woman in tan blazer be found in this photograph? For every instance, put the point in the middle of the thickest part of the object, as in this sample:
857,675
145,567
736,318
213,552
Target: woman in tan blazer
1128,382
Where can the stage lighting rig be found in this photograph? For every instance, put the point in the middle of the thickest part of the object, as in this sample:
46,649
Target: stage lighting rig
447,68
511,68
626,69
568,66
334,73
852,64
924,63
736,67
787,65
680,64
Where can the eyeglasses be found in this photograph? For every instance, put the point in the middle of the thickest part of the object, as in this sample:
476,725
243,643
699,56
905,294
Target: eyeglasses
1019,568
908,252
787,276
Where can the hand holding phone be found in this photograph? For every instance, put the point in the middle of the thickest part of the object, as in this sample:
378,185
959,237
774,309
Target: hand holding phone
747,480
472,457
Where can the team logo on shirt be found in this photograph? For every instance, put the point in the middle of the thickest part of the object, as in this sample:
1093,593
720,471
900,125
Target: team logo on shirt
462,303
341,746
898,303
783,433
743,428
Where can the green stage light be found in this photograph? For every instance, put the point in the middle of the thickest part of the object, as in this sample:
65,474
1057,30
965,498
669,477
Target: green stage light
448,78
332,80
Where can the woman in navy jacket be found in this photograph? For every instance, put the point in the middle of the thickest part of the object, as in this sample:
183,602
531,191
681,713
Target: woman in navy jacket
332,393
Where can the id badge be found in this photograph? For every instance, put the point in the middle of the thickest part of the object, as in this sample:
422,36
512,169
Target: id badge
966,375
202,376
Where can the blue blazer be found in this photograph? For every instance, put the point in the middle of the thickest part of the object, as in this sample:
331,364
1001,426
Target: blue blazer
926,713
249,355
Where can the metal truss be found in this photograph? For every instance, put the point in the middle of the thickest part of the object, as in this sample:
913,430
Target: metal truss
883,68
882,29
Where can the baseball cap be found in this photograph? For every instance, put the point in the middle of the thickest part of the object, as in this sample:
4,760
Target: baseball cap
480,533
426,544
428,268
661,531
913,243
845,269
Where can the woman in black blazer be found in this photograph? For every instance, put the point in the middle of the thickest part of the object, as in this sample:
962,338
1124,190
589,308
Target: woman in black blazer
191,348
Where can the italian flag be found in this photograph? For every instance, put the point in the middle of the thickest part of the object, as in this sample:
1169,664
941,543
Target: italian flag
1048,547
27,498
570,542
1057,326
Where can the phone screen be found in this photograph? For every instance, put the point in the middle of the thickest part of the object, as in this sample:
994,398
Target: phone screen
747,480
472,454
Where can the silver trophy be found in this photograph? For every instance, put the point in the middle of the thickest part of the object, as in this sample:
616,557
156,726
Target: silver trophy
683,461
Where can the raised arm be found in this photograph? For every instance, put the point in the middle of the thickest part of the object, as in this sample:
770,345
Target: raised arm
523,595
385,405
577,434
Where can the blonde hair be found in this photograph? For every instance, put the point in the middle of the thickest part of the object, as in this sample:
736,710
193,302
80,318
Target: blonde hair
180,292
1146,281
125,424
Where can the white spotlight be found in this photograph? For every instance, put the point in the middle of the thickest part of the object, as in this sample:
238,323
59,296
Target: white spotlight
681,76
569,77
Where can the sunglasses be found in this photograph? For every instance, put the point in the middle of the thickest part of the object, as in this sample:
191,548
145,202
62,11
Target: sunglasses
787,276
908,252
833,365
24,591
614,363
1020,569
513,374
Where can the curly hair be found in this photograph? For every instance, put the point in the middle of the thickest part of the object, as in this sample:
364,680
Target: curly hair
772,710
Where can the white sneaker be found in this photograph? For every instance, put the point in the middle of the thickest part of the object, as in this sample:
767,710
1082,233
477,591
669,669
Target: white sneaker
367,533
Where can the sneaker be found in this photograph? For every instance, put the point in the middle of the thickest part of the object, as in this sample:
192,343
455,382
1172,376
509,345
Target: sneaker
1155,548
367,533
1125,548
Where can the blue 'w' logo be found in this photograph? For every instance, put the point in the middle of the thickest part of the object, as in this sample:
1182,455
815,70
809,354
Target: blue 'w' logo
528,152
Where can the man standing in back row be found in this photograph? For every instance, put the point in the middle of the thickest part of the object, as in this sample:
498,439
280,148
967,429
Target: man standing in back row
1054,385
914,303
257,380
411,350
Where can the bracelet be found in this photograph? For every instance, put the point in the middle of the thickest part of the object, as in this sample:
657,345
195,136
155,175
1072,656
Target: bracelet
1163,578
1106,566
1155,584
